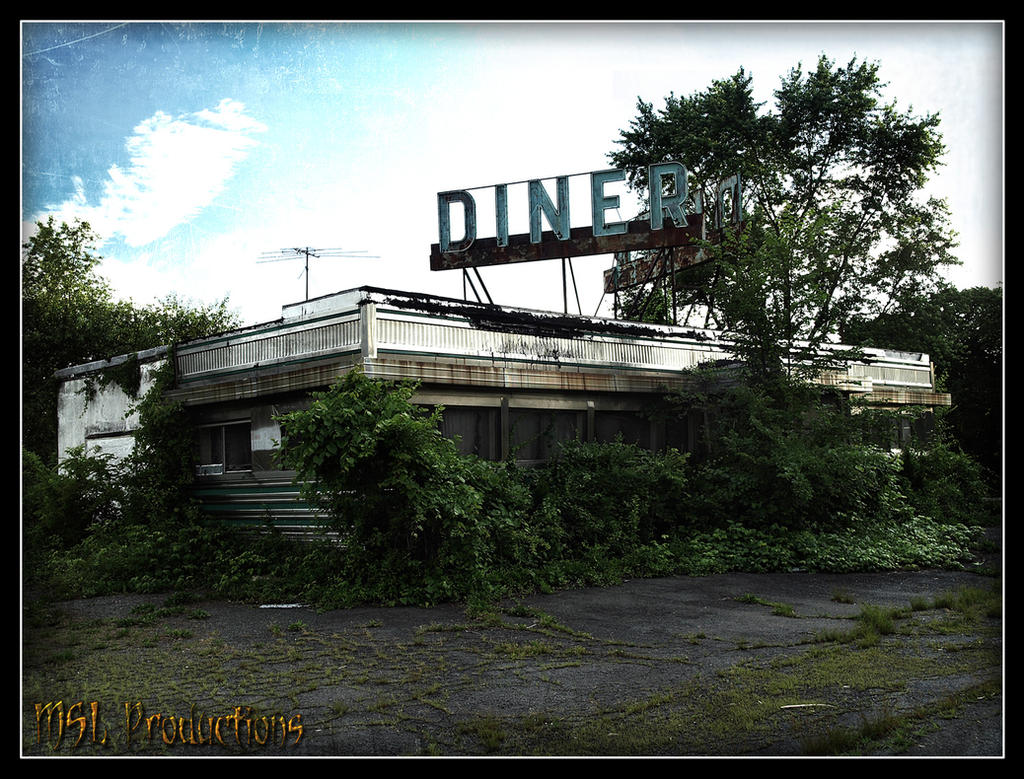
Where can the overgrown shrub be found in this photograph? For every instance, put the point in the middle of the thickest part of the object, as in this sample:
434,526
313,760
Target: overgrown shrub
422,522
94,525
408,505
945,483
126,557
60,505
784,458
611,496
786,485
917,542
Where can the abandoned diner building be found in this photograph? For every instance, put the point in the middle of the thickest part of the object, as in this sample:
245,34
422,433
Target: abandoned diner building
512,381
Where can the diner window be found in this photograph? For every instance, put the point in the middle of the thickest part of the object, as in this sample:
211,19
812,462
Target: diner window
225,448
535,434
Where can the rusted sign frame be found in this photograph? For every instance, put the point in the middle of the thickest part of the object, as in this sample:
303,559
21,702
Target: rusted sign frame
581,242
633,273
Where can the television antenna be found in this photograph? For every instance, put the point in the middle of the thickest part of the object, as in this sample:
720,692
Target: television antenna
307,252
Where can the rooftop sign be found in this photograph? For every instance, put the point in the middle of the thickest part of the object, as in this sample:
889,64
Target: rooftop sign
667,224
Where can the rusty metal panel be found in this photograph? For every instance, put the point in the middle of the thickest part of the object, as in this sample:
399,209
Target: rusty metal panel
581,242
639,271
632,273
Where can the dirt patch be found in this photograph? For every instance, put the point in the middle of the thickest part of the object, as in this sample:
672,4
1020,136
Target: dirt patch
736,664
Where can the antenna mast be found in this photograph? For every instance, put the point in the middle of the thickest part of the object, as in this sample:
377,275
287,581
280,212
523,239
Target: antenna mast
296,252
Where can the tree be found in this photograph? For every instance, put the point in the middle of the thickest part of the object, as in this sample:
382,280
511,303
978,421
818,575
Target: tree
70,317
961,330
832,223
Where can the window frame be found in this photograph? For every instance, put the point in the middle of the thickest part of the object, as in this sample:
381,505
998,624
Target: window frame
221,468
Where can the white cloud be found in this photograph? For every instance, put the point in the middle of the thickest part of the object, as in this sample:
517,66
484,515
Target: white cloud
178,166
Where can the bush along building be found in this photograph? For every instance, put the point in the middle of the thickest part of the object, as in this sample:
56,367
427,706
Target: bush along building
512,381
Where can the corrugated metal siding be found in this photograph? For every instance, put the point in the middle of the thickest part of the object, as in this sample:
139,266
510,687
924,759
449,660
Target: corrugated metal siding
898,375
446,337
301,342
255,503
438,336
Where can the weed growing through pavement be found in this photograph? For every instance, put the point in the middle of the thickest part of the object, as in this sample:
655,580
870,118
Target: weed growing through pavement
778,609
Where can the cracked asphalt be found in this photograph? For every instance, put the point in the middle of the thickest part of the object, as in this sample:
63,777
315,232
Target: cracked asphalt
724,665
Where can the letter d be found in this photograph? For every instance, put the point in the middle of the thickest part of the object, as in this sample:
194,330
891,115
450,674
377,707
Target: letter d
444,202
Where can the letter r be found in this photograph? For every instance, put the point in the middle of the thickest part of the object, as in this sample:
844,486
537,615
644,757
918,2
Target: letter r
660,203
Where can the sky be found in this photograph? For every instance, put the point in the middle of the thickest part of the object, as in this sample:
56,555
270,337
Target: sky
196,151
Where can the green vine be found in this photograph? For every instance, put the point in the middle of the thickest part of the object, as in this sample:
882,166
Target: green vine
164,453
127,375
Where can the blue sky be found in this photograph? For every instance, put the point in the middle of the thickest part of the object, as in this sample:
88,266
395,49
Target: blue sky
193,149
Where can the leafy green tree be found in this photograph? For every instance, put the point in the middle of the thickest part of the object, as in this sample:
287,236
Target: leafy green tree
60,292
70,317
833,225
962,332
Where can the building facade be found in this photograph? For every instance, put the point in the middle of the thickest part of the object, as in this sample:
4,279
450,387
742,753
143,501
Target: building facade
512,382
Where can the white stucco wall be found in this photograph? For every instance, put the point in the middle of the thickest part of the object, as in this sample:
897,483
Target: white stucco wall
106,421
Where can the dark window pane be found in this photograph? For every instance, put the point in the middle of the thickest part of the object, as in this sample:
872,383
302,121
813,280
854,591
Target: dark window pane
475,429
211,445
238,448
535,433
631,428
